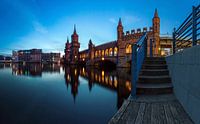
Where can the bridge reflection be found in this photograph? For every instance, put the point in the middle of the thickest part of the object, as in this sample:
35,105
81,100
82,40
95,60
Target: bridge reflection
117,81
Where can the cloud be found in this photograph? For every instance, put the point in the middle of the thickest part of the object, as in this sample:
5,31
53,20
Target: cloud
113,20
39,27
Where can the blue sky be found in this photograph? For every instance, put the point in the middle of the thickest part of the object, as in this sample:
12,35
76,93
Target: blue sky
46,24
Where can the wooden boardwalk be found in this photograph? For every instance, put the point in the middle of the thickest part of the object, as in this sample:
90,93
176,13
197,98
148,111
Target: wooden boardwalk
158,109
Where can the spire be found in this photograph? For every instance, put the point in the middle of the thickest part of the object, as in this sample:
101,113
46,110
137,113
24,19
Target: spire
67,40
120,21
74,28
90,41
156,13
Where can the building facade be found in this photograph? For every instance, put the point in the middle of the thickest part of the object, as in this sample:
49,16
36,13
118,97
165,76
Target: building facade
51,57
32,55
118,51
35,55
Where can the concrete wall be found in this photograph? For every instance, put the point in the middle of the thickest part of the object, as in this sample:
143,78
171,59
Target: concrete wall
184,69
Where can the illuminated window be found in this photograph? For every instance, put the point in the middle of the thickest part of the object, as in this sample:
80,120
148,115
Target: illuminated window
115,51
102,53
96,54
106,53
99,53
129,48
110,52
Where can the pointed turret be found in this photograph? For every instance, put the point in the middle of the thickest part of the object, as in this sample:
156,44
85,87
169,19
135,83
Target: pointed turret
120,30
67,40
156,13
74,29
120,22
75,45
156,32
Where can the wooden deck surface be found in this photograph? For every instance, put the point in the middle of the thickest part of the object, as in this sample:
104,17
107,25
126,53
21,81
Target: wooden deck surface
159,109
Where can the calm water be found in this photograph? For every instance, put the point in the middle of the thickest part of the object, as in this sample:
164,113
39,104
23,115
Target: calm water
53,94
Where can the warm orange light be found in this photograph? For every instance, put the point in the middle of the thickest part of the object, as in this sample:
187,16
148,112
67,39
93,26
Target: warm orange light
102,58
102,73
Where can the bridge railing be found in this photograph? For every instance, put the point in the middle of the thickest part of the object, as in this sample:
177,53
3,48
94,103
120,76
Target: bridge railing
188,34
139,52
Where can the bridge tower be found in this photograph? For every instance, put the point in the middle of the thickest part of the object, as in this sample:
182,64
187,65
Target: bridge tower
120,44
75,45
67,51
156,33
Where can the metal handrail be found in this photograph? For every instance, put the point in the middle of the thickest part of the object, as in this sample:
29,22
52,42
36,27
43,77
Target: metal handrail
139,52
187,31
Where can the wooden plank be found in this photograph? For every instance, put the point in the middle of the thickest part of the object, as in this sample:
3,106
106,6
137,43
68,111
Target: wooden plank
120,112
168,114
184,117
174,113
140,115
147,114
157,115
130,114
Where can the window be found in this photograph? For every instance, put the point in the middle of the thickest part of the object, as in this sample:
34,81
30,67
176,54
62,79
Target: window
115,51
106,53
102,53
96,54
128,48
110,52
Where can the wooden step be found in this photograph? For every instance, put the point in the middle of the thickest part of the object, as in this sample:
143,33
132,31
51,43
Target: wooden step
164,88
154,66
154,79
155,58
154,72
154,62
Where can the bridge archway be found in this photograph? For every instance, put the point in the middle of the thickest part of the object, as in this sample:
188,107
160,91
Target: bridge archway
106,64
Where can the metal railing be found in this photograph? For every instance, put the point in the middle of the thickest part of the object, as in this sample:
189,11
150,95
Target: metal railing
139,52
188,34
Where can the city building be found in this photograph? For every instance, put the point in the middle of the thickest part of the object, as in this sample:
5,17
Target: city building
5,59
51,57
35,55
32,55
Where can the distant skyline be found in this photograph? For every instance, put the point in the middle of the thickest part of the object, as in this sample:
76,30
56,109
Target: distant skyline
46,24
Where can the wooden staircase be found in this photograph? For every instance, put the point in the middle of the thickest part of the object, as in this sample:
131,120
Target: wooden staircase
154,77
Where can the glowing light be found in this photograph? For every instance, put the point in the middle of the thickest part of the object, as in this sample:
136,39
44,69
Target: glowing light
75,72
128,85
102,58
102,73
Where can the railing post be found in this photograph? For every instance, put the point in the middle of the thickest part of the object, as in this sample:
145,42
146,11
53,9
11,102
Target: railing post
194,26
151,48
134,71
174,41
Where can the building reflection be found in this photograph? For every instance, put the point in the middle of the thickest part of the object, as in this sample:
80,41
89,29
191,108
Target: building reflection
117,81
5,65
34,69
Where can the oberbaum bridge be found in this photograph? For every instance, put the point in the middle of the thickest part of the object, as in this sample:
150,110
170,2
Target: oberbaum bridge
165,71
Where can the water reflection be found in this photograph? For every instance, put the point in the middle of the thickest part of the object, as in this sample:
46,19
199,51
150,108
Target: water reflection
5,65
117,81
34,69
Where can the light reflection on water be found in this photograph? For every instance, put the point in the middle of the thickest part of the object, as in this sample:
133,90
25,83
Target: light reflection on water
51,93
